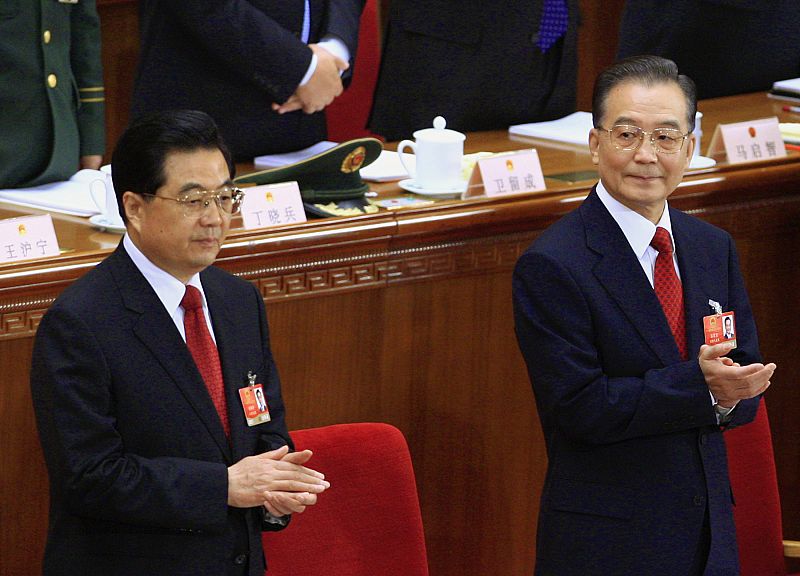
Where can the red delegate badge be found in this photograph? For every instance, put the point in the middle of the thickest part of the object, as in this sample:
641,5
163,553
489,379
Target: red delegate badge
254,402
719,328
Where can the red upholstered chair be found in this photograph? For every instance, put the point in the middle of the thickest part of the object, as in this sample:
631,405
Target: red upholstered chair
347,115
368,522
758,508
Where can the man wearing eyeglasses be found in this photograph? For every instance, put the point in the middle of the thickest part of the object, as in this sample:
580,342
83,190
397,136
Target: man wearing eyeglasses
137,379
609,305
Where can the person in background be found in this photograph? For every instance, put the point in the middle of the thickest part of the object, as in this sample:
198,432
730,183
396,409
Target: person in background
52,101
136,376
609,304
480,65
264,70
726,46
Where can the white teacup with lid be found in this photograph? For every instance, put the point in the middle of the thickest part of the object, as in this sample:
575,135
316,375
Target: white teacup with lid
438,153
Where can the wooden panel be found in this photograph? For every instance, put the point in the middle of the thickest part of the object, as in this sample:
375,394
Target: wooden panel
598,38
433,359
119,28
24,488
764,231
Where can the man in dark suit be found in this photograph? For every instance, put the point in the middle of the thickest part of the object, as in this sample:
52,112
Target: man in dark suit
263,69
153,467
481,65
727,46
630,399
52,102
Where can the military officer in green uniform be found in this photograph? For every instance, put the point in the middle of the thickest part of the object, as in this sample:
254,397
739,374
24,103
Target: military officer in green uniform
51,91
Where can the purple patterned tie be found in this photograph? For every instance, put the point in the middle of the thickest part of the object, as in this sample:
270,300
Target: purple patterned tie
553,25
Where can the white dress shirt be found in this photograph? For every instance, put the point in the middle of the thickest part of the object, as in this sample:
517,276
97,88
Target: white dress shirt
331,43
639,231
169,289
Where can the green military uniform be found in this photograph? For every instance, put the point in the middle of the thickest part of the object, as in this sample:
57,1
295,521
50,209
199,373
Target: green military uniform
51,89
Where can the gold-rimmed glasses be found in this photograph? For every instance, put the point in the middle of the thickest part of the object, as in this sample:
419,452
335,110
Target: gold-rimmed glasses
194,202
627,137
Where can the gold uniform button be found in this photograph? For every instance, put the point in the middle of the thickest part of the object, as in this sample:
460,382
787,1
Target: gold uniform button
52,81
46,36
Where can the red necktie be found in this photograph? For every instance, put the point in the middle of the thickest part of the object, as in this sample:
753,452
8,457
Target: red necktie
204,351
668,288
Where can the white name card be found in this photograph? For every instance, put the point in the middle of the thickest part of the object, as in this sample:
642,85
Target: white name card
506,173
747,141
27,238
272,205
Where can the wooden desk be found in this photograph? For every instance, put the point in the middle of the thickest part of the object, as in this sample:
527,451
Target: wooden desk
405,317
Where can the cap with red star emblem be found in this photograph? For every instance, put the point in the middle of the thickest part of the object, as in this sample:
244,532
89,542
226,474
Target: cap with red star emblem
331,177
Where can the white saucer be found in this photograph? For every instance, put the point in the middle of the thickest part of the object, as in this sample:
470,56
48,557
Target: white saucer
698,162
100,221
411,186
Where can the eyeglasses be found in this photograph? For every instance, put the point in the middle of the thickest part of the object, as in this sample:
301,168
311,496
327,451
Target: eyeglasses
227,198
666,140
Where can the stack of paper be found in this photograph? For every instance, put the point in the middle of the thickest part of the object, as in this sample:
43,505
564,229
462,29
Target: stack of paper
786,89
572,129
72,197
388,167
276,160
790,132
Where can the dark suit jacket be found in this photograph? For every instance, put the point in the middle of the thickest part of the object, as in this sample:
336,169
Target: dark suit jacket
233,59
44,129
725,46
473,62
637,462
135,451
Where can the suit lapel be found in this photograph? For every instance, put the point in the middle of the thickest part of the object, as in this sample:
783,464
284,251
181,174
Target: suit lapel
228,334
699,276
619,272
157,332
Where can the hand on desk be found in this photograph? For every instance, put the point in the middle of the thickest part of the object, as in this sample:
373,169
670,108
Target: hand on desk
325,85
727,380
277,480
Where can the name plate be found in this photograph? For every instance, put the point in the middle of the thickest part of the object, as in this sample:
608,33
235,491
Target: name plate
27,238
506,173
747,141
272,205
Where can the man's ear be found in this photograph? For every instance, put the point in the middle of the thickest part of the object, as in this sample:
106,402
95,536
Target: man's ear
133,205
594,145
691,142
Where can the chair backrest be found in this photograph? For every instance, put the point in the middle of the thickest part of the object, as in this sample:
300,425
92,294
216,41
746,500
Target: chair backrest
755,489
368,523
347,115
